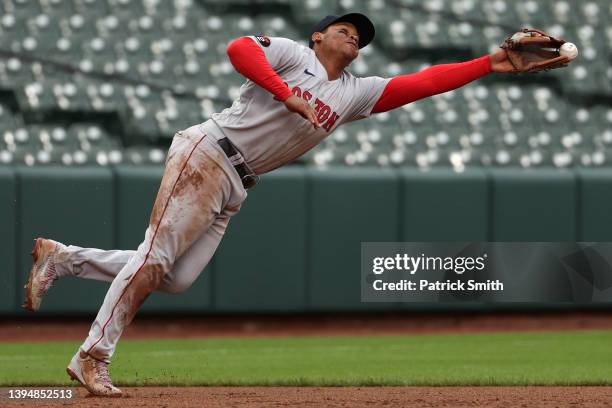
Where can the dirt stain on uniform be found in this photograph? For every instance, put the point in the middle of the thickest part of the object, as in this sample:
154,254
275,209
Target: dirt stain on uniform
203,197
165,188
141,286
190,196
190,178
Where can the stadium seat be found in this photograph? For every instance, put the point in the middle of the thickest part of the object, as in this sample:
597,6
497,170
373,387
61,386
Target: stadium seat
308,12
148,68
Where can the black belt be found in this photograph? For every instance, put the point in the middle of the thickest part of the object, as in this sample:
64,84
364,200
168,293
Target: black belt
246,176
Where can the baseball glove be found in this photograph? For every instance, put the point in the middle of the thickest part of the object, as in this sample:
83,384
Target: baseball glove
533,51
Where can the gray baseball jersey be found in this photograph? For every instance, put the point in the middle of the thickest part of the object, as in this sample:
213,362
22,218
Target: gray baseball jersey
266,133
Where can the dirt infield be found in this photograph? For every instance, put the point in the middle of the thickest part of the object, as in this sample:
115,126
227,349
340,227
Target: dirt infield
45,329
213,397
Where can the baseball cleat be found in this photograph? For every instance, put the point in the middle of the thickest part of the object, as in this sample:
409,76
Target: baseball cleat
92,374
42,273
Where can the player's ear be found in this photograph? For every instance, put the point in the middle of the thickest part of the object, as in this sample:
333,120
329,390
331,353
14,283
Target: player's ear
316,37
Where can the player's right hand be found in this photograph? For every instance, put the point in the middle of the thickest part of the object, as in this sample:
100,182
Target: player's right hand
298,105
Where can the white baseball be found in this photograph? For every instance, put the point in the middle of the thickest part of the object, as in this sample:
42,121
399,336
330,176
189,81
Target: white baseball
568,50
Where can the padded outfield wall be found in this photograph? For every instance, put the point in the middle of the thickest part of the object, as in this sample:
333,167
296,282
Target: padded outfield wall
295,245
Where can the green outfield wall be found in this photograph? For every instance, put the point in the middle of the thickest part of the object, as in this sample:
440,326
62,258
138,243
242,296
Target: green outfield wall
295,245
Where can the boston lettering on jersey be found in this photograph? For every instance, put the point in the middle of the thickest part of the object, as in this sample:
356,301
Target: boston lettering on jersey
324,112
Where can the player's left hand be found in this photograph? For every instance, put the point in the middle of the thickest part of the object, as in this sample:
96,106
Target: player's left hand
532,51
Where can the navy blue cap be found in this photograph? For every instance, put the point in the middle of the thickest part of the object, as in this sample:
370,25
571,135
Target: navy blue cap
364,27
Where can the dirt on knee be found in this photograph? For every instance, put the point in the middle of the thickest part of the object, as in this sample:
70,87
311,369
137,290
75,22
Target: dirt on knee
142,284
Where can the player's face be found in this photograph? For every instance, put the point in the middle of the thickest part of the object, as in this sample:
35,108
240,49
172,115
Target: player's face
343,38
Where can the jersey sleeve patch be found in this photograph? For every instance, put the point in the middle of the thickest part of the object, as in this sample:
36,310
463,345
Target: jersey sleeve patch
263,40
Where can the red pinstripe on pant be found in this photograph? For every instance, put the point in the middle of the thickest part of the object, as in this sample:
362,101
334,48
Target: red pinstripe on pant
140,268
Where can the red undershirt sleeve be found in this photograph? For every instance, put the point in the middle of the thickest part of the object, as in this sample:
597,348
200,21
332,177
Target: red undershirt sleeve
434,80
250,61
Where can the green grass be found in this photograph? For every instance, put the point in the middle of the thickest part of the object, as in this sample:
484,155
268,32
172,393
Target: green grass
559,358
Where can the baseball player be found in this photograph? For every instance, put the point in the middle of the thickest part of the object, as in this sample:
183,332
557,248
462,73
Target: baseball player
294,97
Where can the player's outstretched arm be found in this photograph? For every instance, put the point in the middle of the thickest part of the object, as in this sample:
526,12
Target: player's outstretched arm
434,80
